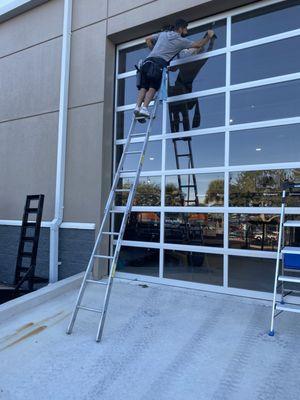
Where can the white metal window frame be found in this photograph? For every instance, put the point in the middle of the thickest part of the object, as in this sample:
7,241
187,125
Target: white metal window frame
228,127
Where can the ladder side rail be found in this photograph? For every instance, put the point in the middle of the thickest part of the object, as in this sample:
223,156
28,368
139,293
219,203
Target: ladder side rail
282,215
193,175
123,227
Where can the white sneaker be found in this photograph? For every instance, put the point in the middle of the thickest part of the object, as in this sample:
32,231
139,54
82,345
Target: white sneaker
144,112
136,111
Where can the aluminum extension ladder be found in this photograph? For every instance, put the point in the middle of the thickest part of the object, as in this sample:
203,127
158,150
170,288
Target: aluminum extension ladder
108,211
290,256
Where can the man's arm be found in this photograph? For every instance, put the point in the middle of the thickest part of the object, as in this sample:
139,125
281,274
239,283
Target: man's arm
151,40
198,44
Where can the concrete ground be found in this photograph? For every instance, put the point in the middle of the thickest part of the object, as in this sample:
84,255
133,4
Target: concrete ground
159,343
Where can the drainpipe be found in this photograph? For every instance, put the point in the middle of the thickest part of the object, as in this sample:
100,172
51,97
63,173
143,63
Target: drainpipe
61,141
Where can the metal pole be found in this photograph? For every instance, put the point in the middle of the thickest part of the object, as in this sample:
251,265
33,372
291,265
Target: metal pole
61,141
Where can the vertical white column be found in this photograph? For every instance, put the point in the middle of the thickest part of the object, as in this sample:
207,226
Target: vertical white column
61,141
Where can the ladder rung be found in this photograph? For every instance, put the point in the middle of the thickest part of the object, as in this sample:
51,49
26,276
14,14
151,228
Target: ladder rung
137,134
90,309
288,307
128,171
102,256
133,152
31,210
285,278
28,239
30,224
97,282
291,223
111,233
184,155
117,211
122,190
26,254
187,186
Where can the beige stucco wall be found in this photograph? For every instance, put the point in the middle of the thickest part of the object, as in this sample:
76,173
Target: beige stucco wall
30,54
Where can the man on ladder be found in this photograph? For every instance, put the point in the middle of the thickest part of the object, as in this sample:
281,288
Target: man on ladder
167,45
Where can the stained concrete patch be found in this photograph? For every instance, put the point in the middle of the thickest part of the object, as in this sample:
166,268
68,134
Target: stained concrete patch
159,344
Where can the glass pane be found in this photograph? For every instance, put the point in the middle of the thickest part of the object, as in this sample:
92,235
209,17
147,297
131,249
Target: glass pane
124,119
195,152
152,160
251,273
253,231
281,100
265,145
204,112
147,194
259,231
127,91
136,260
194,229
261,188
277,18
131,56
195,190
272,59
198,75
219,28
141,226
193,267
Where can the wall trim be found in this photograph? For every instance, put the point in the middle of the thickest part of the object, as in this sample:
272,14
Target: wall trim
47,224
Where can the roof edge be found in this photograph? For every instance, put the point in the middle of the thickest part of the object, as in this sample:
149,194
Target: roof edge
17,7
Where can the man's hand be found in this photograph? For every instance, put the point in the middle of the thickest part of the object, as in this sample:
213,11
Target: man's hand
210,33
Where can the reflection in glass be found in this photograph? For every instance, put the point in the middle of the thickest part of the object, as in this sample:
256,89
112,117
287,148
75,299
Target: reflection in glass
147,193
195,152
252,273
194,229
261,188
271,59
281,100
128,58
124,119
195,190
136,260
193,267
204,112
253,231
198,75
275,144
127,91
219,28
141,226
152,160
277,18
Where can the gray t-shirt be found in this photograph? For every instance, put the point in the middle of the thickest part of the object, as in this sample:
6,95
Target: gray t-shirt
168,44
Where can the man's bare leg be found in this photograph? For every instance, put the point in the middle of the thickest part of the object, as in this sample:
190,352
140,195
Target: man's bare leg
141,97
149,97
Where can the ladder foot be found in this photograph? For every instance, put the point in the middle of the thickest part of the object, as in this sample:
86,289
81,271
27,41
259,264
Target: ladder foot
271,333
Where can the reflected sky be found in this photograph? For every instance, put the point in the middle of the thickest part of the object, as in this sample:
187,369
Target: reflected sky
265,145
266,21
206,151
281,100
272,59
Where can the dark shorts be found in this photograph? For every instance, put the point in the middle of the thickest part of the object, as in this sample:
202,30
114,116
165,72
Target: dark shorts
147,81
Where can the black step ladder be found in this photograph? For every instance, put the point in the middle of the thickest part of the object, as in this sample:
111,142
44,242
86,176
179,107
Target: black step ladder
192,182
28,244
289,270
